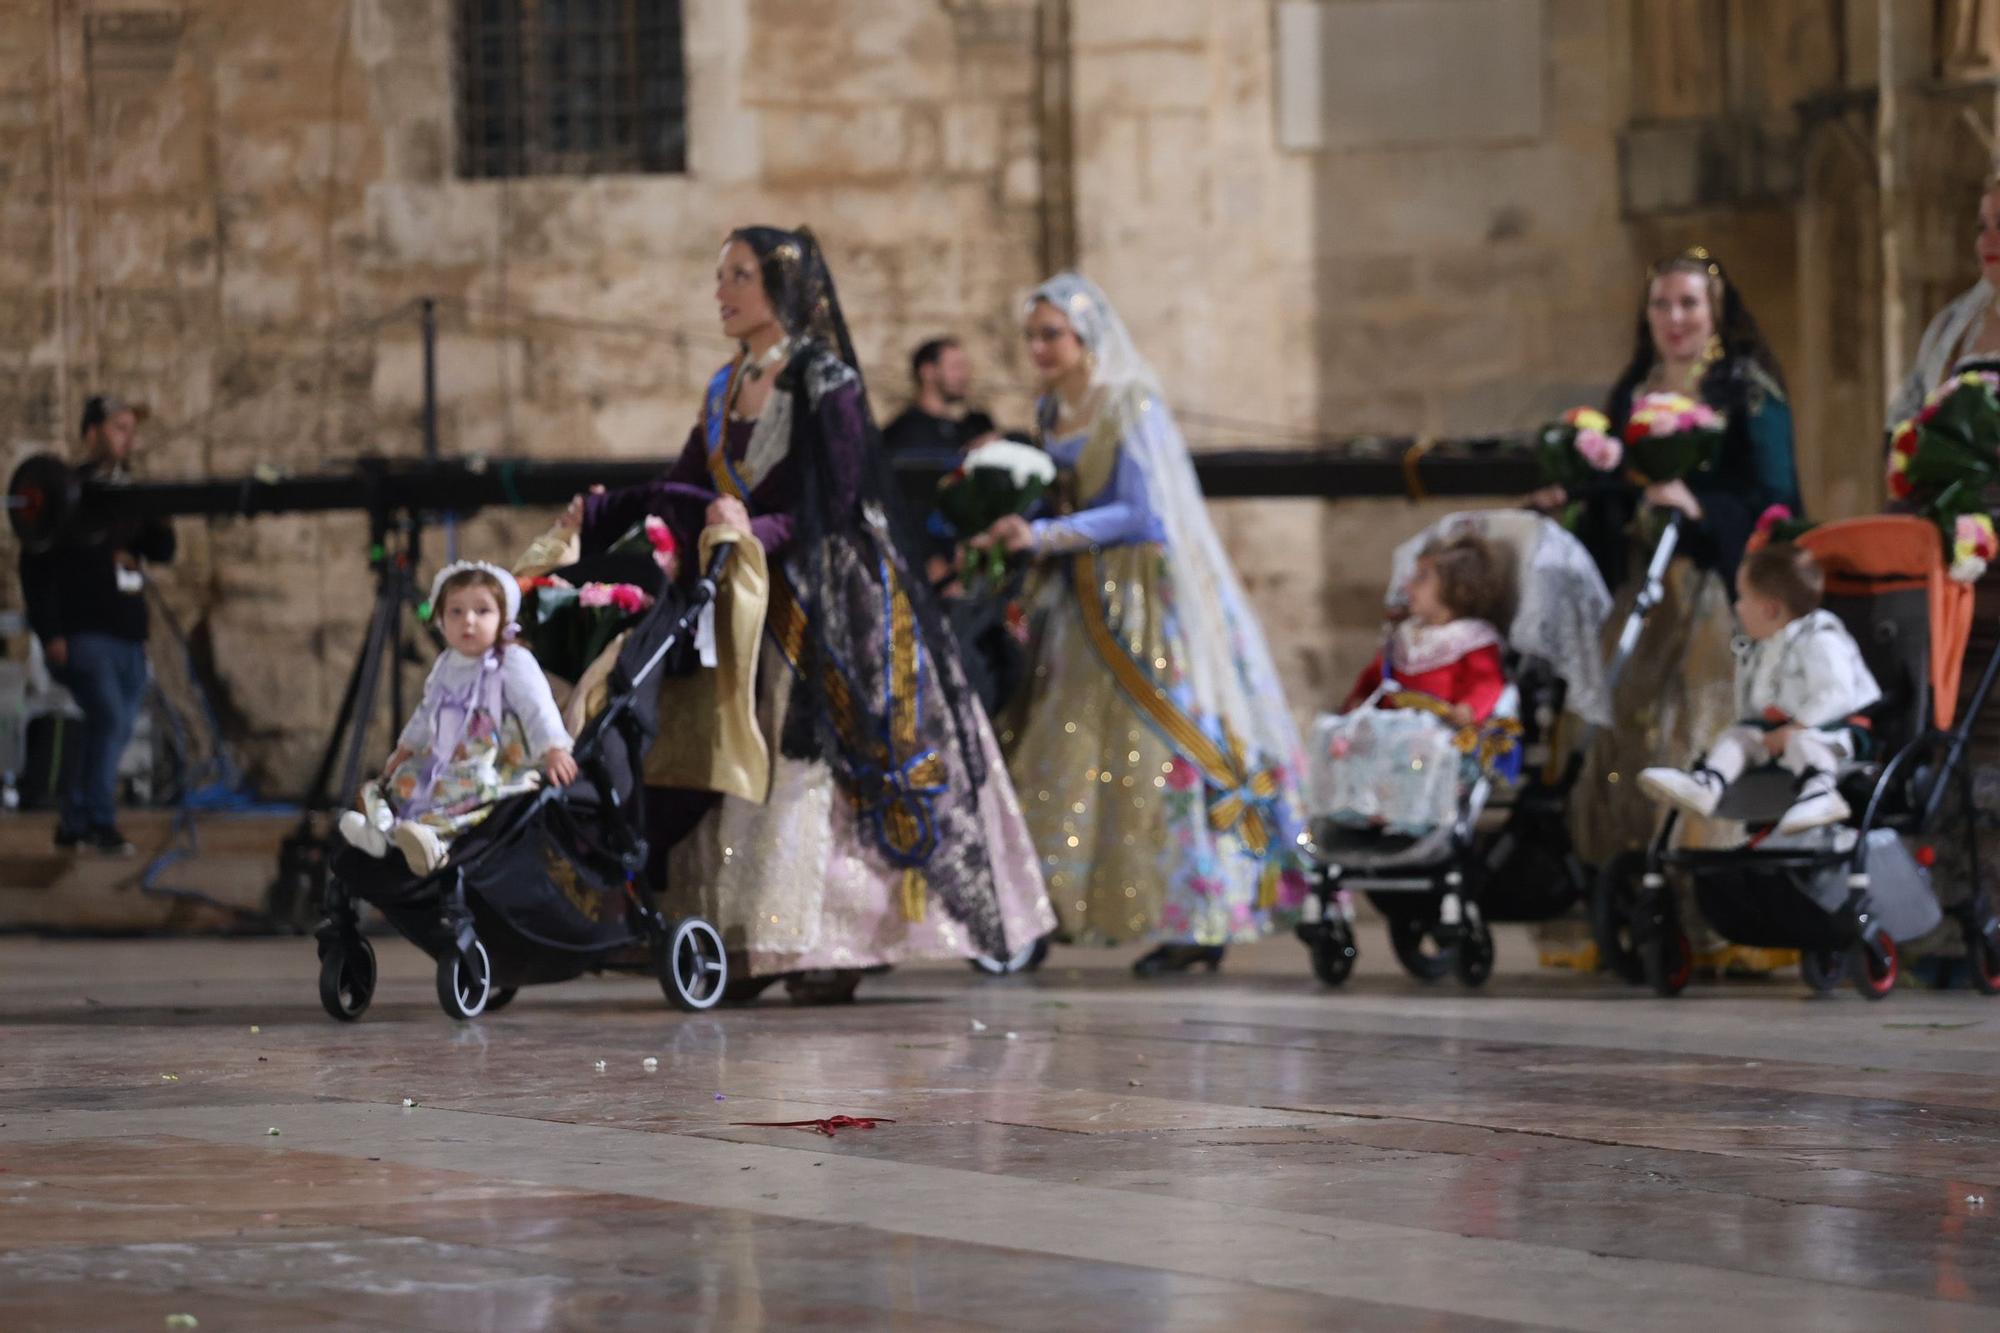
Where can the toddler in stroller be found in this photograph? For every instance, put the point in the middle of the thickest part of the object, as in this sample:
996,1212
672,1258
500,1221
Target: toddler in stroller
486,709
1496,622
1801,689
1391,756
1847,891
545,884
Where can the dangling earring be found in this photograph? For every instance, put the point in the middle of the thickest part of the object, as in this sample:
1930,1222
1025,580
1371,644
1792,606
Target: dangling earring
1712,351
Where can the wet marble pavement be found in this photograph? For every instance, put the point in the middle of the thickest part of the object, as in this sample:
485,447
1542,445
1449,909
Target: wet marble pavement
1071,1150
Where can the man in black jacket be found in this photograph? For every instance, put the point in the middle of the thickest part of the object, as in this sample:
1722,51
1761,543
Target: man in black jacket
940,420
87,603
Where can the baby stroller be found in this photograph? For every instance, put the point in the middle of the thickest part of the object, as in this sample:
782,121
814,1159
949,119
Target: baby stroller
550,885
1506,855
1844,897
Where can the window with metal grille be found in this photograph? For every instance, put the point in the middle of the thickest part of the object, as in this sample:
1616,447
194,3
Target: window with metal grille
570,87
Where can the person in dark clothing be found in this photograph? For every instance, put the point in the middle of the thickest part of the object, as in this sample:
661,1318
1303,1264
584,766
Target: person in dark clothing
87,604
939,420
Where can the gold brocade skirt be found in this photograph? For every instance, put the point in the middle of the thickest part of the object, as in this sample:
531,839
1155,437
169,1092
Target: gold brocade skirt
1119,820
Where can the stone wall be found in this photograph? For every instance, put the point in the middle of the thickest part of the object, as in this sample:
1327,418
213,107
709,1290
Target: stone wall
249,195
1430,220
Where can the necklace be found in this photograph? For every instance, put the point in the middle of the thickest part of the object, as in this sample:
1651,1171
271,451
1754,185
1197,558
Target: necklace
774,356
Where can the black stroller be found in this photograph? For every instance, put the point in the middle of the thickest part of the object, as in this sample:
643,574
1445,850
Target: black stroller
1844,897
1507,855
550,885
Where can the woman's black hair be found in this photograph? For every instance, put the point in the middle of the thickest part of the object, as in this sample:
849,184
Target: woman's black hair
802,294
1735,383
1743,343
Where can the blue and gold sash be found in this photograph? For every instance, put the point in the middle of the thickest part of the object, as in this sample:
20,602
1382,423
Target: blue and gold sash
1242,798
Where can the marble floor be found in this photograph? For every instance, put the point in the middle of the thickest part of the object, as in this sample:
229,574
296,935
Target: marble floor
183,1134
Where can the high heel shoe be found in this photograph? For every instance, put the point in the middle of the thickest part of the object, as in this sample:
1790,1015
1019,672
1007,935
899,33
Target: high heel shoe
1178,958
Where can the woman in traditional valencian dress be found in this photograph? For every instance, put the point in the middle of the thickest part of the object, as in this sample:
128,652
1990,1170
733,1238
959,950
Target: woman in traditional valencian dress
1152,748
1962,336
880,826
1696,337
1965,332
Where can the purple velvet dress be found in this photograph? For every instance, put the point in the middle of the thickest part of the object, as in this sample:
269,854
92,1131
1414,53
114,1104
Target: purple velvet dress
899,840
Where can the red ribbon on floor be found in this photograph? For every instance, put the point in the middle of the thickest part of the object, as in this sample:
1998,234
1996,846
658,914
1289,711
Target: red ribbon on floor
830,1126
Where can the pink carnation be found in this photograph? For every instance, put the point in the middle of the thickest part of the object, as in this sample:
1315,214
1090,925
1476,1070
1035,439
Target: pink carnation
1975,533
623,597
1600,450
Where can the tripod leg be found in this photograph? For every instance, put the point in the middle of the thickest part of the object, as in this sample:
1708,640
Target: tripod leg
381,636
316,794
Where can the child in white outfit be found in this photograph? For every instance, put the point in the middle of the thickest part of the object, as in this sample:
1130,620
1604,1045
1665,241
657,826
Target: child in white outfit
1800,682
486,717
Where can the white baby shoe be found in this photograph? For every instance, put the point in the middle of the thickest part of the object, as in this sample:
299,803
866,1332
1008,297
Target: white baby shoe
1820,803
420,846
362,835
1697,792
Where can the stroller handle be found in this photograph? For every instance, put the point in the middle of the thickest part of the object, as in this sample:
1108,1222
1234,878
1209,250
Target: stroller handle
711,578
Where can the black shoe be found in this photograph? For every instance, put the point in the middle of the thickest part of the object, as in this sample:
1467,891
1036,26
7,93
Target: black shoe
832,985
67,839
1178,958
108,841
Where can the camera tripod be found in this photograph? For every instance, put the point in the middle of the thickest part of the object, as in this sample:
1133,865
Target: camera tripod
395,547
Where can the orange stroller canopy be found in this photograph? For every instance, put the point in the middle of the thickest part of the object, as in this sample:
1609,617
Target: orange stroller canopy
1864,557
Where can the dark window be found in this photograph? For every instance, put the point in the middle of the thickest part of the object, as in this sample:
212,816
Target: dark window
570,87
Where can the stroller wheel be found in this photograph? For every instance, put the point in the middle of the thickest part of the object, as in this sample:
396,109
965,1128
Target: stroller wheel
465,981
1421,956
1613,900
694,971
502,998
1473,959
1823,969
1876,978
1028,958
1669,962
1330,943
347,978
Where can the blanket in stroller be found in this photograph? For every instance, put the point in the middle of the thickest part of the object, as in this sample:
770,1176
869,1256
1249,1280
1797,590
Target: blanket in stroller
1397,765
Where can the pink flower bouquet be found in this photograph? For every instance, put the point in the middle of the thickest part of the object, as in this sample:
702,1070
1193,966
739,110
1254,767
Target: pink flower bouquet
567,626
1576,445
1670,436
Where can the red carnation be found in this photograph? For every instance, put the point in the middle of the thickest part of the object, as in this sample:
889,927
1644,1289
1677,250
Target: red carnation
1899,486
1636,431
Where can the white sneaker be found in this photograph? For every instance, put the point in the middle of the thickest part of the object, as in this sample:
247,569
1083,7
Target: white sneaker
420,846
1819,805
362,835
1697,792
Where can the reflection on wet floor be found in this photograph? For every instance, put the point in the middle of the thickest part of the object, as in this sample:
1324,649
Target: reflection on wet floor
1070,1150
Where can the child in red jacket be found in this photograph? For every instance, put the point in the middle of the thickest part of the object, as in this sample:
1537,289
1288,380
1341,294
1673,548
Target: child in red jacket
1391,759
1448,644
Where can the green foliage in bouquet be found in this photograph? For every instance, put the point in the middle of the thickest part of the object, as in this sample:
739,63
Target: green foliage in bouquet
994,481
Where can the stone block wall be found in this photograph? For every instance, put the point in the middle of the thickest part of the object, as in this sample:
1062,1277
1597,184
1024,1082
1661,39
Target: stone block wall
226,207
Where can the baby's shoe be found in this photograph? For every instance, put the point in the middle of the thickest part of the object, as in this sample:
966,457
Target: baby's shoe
420,846
1820,803
362,835
1697,792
